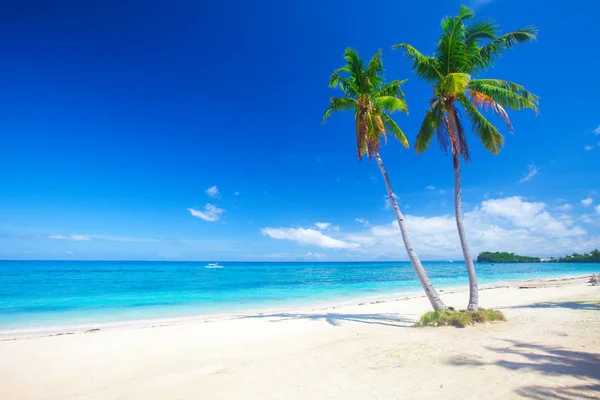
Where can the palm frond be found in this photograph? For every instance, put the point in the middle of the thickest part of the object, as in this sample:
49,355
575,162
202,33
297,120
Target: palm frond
488,134
339,104
507,94
454,84
375,70
463,146
480,30
434,118
394,129
425,67
481,100
507,41
452,52
392,88
465,13
355,67
390,104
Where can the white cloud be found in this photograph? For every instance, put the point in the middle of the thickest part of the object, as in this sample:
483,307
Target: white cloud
308,237
564,207
70,237
598,209
297,256
387,204
588,148
507,224
327,226
532,171
213,192
237,193
125,239
430,187
596,131
362,221
322,225
211,213
587,202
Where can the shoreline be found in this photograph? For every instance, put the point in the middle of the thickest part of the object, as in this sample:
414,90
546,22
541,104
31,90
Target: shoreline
31,333
549,345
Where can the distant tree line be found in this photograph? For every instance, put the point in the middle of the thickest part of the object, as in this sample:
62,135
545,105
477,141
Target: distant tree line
504,257
591,257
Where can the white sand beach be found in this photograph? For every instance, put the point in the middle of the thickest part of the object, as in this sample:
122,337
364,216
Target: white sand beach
549,348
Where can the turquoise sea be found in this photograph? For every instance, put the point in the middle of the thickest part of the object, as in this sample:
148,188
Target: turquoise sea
44,294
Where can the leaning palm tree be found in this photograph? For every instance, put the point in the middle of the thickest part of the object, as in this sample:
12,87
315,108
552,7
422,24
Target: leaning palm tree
463,51
371,101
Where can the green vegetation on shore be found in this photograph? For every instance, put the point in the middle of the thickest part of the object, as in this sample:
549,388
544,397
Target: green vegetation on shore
591,257
459,319
504,257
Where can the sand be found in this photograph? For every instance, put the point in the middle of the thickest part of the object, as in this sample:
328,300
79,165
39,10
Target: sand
549,349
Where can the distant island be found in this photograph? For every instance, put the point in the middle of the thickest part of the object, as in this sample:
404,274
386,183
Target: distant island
504,257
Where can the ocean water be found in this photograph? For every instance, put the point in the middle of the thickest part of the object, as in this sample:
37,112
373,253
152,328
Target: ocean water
44,294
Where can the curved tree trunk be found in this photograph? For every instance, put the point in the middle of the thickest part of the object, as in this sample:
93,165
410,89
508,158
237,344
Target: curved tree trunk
431,293
473,290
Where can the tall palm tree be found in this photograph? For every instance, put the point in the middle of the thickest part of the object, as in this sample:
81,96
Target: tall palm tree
463,51
372,101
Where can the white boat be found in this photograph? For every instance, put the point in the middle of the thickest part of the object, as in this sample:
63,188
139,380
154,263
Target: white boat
213,265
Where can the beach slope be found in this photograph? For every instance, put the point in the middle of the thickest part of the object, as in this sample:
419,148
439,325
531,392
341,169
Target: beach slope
550,348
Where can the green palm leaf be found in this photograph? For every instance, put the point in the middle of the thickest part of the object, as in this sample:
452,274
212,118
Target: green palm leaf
339,104
394,129
425,67
489,135
390,104
434,118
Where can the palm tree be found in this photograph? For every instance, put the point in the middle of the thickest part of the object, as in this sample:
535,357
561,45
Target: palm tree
463,51
372,101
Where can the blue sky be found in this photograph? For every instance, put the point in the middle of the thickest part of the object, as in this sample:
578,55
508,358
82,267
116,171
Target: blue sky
192,131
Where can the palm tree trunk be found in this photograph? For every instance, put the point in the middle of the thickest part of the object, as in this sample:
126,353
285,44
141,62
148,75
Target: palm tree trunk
473,290
432,294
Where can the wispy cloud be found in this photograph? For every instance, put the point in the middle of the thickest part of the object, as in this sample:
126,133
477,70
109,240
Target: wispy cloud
70,237
564,207
211,213
308,237
387,204
587,202
236,193
125,239
327,226
433,188
323,225
297,256
596,131
532,171
213,192
362,221
598,209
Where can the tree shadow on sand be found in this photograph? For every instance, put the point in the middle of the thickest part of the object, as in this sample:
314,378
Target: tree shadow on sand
335,319
572,305
549,360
